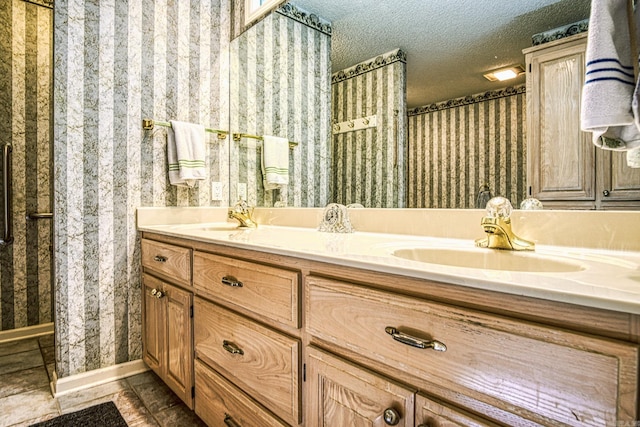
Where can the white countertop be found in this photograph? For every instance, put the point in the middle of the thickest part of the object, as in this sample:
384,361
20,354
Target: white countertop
607,279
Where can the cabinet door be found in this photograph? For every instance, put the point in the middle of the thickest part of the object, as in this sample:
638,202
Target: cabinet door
430,413
179,342
342,394
620,184
153,324
561,158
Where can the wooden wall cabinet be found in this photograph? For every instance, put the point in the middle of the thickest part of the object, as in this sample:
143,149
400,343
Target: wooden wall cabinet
167,331
565,169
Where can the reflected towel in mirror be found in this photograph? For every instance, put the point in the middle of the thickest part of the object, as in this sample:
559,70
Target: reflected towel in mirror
275,162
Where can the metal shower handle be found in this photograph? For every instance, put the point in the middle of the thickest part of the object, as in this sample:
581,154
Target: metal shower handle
7,189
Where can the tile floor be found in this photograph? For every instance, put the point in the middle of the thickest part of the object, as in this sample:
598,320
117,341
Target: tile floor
25,394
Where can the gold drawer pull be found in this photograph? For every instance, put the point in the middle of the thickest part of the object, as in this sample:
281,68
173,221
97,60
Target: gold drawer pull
231,281
229,421
160,258
232,348
413,341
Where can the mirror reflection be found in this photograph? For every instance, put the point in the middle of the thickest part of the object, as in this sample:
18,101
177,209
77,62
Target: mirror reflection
388,111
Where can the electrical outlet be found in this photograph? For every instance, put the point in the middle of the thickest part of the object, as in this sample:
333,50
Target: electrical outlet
216,190
242,191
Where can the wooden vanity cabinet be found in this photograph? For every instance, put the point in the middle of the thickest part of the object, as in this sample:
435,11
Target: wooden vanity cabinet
565,170
287,341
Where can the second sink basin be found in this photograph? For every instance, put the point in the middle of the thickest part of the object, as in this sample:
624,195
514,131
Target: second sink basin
490,259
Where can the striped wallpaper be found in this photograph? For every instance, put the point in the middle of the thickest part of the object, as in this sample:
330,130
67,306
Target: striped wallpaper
369,165
25,111
116,62
280,85
457,146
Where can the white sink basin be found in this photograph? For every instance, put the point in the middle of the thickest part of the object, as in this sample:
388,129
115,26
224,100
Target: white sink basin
490,259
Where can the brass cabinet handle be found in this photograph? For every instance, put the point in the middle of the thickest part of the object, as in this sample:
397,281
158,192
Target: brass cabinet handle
160,258
231,281
156,293
232,348
413,341
229,421
391,417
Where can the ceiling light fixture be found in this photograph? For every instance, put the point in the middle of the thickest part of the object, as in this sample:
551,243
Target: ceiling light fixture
505,73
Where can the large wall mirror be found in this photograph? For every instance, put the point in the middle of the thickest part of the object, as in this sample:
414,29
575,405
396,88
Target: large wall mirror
416,59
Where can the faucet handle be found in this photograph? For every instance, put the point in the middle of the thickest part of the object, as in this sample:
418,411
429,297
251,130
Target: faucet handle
241,206
499,207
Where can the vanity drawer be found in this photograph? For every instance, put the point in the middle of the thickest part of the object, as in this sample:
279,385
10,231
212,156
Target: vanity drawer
547,375
257,359
169,260
267,291
220,403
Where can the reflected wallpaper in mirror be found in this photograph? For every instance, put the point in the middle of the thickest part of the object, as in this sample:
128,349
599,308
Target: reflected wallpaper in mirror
280,83
435,156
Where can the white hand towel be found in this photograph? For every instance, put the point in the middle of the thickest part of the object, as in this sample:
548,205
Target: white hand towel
609,81
185,153
275,162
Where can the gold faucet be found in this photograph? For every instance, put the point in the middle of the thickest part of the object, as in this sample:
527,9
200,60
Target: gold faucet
243,214
497,226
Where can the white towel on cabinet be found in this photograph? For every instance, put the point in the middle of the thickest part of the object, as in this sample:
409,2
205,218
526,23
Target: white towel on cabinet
185,153
275,162
609,82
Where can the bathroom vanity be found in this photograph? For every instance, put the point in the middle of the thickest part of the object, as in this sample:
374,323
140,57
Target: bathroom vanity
290,326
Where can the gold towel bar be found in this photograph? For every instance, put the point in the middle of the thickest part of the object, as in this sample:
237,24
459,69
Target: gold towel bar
148,124
239,136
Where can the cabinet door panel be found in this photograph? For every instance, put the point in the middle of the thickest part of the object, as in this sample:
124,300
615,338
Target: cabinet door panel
561,157
620,181
153,315
342,394
179,341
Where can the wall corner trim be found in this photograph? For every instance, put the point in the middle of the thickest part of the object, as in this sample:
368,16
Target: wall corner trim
84,380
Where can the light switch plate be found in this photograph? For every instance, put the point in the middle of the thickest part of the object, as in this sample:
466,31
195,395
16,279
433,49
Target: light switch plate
216,190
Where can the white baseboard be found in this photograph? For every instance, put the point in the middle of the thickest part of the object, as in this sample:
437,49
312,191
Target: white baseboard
61,386
26,332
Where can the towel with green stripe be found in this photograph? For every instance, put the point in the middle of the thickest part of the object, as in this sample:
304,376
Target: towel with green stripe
185,153
275,162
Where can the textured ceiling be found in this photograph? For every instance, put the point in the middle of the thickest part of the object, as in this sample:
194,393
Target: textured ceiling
449,43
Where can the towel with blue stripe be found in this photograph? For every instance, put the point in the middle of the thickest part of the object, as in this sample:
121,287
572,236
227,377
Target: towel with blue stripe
609,91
